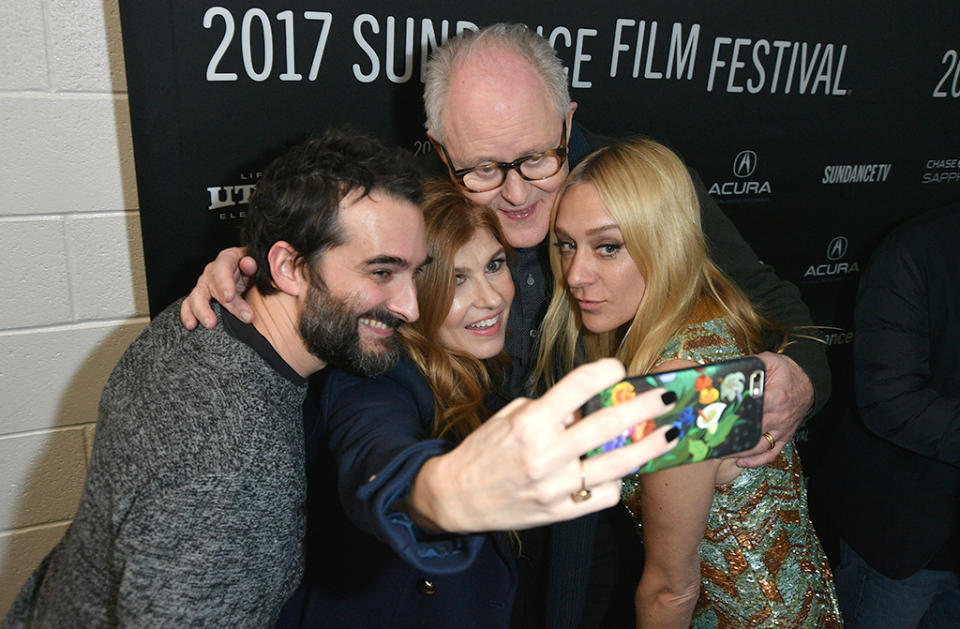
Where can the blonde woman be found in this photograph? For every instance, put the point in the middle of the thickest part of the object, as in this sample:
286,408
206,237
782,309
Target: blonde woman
724,546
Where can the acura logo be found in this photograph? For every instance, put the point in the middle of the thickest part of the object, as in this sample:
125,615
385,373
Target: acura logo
837,248
744,163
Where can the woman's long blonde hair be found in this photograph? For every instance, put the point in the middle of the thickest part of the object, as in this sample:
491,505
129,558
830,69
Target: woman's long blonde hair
458,380
648,192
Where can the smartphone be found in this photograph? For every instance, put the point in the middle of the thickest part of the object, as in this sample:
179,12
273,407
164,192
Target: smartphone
718,411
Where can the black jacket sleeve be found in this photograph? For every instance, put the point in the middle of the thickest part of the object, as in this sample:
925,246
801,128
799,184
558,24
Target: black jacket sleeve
776,299
905,365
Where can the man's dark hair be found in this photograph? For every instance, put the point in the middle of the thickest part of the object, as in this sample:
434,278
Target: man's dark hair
298,197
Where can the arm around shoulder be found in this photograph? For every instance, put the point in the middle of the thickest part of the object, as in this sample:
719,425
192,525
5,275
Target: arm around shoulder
777,299
224,280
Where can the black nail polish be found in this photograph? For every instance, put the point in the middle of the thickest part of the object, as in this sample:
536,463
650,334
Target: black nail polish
669,397
672,434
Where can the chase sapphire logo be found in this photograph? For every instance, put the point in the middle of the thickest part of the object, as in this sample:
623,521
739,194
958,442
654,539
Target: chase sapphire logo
744,163
837,248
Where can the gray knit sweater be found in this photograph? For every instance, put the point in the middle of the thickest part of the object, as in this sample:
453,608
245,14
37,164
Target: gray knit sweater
192,512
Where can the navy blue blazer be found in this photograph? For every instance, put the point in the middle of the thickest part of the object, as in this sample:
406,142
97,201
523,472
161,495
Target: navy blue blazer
368,565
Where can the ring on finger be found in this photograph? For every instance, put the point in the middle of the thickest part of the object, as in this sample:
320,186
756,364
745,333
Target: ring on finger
770,440
583,494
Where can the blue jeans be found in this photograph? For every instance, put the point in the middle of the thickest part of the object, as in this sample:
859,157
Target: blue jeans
928,599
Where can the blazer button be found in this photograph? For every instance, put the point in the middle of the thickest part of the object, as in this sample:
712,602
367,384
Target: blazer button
426,587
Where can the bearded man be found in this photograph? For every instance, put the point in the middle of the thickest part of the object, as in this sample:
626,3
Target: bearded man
193,508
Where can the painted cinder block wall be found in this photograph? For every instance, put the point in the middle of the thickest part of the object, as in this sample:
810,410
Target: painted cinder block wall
72,287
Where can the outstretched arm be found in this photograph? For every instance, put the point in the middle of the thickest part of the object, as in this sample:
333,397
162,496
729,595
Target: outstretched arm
225,280
519,469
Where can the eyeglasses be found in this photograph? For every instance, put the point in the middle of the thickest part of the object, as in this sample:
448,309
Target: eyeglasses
490,175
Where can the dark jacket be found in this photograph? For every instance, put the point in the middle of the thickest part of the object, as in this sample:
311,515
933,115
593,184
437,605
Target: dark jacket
893,472
368,566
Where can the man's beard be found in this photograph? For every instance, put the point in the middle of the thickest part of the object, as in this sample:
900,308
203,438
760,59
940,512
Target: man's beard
329,327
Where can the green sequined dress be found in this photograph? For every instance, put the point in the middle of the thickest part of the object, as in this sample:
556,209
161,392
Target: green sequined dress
761,564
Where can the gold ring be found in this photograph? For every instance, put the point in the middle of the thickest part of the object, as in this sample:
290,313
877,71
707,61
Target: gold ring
584,493
770,440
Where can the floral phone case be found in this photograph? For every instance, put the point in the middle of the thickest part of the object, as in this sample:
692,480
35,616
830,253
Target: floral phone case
718,410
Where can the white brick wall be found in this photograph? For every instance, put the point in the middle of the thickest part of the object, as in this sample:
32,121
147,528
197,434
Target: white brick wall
72,288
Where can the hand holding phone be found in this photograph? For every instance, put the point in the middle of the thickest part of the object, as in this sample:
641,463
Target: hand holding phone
718,411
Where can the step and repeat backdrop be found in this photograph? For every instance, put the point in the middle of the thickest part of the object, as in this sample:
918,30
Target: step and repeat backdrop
816,128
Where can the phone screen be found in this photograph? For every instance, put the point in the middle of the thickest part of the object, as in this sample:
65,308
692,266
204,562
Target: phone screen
718,411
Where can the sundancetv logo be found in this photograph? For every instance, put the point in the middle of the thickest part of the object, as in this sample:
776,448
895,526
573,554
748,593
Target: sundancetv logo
855,173
745,187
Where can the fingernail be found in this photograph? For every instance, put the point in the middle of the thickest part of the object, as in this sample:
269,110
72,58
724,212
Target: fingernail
669,397
245,316
673,433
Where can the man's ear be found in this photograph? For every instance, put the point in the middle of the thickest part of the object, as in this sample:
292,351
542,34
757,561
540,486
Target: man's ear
573,108
287,268
438,148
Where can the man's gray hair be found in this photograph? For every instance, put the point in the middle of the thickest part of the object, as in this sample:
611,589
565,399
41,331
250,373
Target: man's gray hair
529,45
